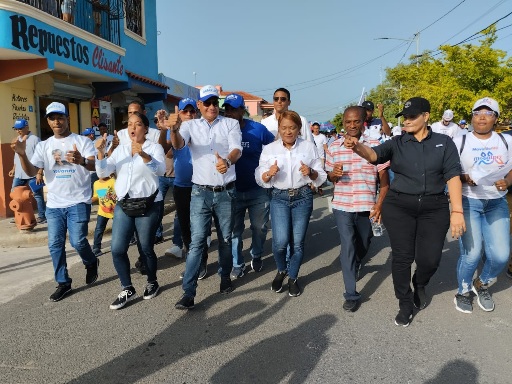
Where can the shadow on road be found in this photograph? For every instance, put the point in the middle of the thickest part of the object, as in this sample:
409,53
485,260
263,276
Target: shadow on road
456,371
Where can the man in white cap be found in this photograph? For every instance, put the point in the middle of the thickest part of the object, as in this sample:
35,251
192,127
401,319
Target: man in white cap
215,145
67,159
446,126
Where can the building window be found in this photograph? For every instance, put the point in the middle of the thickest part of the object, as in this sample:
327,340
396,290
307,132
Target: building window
133,12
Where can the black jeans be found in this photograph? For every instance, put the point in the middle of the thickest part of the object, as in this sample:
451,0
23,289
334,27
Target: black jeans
417,227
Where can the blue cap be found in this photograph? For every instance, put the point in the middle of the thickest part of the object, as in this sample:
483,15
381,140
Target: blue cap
234,100
20,124
186,101
462,122
88,131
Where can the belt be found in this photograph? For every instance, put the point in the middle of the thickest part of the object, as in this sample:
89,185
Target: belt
293,191
218,188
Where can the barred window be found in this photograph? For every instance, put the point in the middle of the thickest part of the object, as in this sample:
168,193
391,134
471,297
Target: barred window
133,12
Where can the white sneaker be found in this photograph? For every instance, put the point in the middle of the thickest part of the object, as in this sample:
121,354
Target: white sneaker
174,251
209,241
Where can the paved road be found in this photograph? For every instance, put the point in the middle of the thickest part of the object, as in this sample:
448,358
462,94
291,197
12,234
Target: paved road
252,335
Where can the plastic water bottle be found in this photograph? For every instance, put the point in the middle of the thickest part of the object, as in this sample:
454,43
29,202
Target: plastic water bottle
376,228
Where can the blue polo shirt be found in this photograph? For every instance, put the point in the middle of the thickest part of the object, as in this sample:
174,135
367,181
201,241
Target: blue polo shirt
254,137
182,167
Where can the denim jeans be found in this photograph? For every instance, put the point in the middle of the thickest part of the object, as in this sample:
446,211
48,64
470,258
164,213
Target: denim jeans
257,203
355,232
488,230
101,224
123,227
290,220
74,220
204,205
38,195
164,184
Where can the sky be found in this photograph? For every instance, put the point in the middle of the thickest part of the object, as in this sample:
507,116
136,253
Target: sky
324,51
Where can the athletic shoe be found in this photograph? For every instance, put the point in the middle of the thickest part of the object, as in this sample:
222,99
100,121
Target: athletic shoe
485,300
151,290
403,318
62,290
41,220
463,303
203,271
175,251
351,305
158,240
97,252
256,264
225,285
128,294
186,302
277,284
420,298
92,272
238,272
293,288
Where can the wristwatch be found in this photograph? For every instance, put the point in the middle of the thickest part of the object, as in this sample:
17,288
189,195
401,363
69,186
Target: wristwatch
85,161
228,163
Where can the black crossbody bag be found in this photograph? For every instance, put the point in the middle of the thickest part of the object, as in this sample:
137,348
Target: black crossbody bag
137,206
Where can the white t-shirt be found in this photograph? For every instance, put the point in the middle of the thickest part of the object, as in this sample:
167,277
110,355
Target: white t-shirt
152,135
68,184
451,129
32,141
481,157
320,140
305,131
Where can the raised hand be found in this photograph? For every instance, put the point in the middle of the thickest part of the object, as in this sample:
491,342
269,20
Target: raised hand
380,107
304,169
350,142
221,165
18,146
115,140
174,119
273,169
136,148
74,156
101,143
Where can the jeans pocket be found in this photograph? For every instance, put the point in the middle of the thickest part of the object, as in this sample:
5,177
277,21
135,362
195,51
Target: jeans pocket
231,193
80,213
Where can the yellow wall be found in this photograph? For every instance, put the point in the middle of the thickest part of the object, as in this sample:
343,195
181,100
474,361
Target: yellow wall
16,101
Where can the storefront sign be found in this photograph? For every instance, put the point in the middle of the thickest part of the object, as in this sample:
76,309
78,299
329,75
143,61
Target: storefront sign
22,104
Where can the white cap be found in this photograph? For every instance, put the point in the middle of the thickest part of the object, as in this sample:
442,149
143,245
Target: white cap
448,115
208,91
56,108
489,103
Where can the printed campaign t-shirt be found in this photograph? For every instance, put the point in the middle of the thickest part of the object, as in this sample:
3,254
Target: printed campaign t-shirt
320,140
67,184
480,158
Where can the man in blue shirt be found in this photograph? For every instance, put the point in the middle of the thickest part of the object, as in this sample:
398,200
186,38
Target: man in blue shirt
372,124
250,196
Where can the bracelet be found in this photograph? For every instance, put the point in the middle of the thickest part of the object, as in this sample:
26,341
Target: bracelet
458,212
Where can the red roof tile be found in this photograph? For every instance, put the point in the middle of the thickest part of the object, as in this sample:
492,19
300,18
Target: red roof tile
245,95
146,80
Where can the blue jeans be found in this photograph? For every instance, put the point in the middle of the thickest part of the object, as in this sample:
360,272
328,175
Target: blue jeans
101,224
74,220
355,232
290,220
38,195
488,230
123,228
257,202
204,205
166,183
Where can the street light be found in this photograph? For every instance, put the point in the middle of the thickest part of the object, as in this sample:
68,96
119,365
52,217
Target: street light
416,39
399,91
195,77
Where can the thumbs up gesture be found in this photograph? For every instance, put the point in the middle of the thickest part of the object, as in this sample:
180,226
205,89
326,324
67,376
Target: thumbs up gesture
272,171
101,143
304,169
173,121
18,146
115,141
222,165
74,156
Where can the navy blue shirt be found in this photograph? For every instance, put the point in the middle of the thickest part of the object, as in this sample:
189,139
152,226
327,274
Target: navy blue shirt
254,137
421,168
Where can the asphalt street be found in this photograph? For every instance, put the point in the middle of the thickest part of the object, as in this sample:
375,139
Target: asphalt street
252,335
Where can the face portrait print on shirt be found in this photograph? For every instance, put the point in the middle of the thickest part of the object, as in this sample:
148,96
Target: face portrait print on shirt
62,168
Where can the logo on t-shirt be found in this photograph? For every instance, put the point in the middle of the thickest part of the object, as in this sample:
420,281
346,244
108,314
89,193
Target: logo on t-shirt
487,158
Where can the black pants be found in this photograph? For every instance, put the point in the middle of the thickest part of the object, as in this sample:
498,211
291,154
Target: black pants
417,227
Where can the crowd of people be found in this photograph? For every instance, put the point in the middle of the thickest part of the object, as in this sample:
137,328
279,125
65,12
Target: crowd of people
418,182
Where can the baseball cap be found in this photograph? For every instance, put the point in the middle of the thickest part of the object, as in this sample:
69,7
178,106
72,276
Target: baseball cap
88,131
448,115
368,105
208,91
489,103
315,123
186,101
234,100
415,106
462,122
20,124
55,107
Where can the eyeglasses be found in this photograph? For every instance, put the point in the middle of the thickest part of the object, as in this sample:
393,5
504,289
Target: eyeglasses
483,113
191,111
283,99
207,103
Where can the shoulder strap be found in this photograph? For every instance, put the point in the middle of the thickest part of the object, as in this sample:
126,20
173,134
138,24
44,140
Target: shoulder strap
503,139
462,144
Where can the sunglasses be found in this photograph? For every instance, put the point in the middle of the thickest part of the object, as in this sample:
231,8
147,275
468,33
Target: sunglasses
191,111
483,113
207,103
283,99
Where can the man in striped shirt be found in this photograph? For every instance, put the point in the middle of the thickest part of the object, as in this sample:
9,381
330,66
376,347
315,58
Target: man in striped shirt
354,202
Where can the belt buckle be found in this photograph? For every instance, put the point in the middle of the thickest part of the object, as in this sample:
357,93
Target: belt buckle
291,192
217,189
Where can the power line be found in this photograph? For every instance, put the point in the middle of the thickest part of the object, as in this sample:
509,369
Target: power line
446,14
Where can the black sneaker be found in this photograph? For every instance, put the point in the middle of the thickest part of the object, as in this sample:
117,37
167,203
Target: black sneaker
128,294
151,290
141,268
158,239
463,303
186,302
256,264
203,271
484,298
41,220
403,318
225,285
277,284
97,252
420,297
293,288
62,290
92,272
351,305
